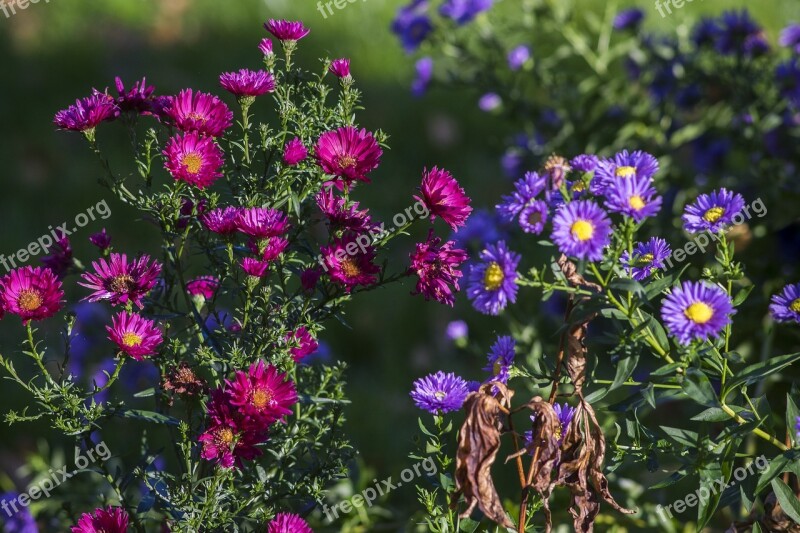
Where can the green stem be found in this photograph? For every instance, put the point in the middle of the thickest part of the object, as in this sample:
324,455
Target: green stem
757,431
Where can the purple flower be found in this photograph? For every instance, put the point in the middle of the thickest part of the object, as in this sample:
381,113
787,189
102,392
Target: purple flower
265,47
790,37
481,227
457,330
440,393
437,266
785,307
294,152
713,212
518,56
463,11
262,222
739,34
787,74
87,112
200,112
623,165
288,523
633,197
584,163
222,220
647,258
582,229
490,102
19,522
412,24
424,69
340,68
101,239
533,217
565,415
705,32
629,19
696,310
138,99
500,359
286,30
492,282
247,83
527,189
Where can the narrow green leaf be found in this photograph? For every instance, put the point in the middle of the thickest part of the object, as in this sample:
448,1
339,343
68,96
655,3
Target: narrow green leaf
789,503
759,371
698,388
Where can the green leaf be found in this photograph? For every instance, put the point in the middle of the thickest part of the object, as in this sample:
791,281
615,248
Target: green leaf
777,466
629,285
698,388
682,436
145,393
742,295
759,371
148,416
791,418
787,499
712,414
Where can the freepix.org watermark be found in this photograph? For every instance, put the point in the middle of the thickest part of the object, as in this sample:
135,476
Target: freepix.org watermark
368,496
703,493
43,243
701,241
45,486
664,7
326,8
10,7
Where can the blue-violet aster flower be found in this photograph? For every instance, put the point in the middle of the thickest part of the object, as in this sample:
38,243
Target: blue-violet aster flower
492,282
697,310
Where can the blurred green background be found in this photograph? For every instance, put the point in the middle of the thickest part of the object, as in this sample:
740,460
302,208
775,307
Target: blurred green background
52,53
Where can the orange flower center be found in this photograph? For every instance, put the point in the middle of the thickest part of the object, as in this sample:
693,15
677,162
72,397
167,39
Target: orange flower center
196,116
123,283
224,437
350,267
347,161
193,162
261,398
30,300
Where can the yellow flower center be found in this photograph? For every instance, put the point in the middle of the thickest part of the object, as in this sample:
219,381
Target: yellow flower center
225,436
131,339
636,202
261,398
347,161
795,306
557,432
713,214
493,277
122,283
350,267
699,312
29,300
625,172
196,116
646,259
193,162
582,230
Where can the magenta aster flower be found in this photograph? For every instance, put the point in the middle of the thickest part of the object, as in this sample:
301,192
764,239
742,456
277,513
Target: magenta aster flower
444,197
309,278
340,68
288,523
294,152
200,112
101,239
135,335
785,307
262,393
286,30
302,343
533,217
108,520
139,98
273,248
582,229
350,269
634,197
440,393
193,159
493,281
222,220
437,267
696,310
254,267
229,437
265,46
262,222
33,293
118,281
712,212
623,165
59,257
348,154
342,214
205,286
647,258
247,82
87,112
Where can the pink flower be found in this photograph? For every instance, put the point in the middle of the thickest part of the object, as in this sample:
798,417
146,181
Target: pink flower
262,393
108,520
230,437
119,281
200,112
302,343
288,523
265,46
222,220
247,82
340,68
101,239
294,152
194,159
348,154
33,293
286,30
341,214
88,112
437,268
254,267
204,286
261,222
135,335
350,264
274,247
443,197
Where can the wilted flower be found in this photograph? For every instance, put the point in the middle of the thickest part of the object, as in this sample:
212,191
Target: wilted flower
437,267
183,381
